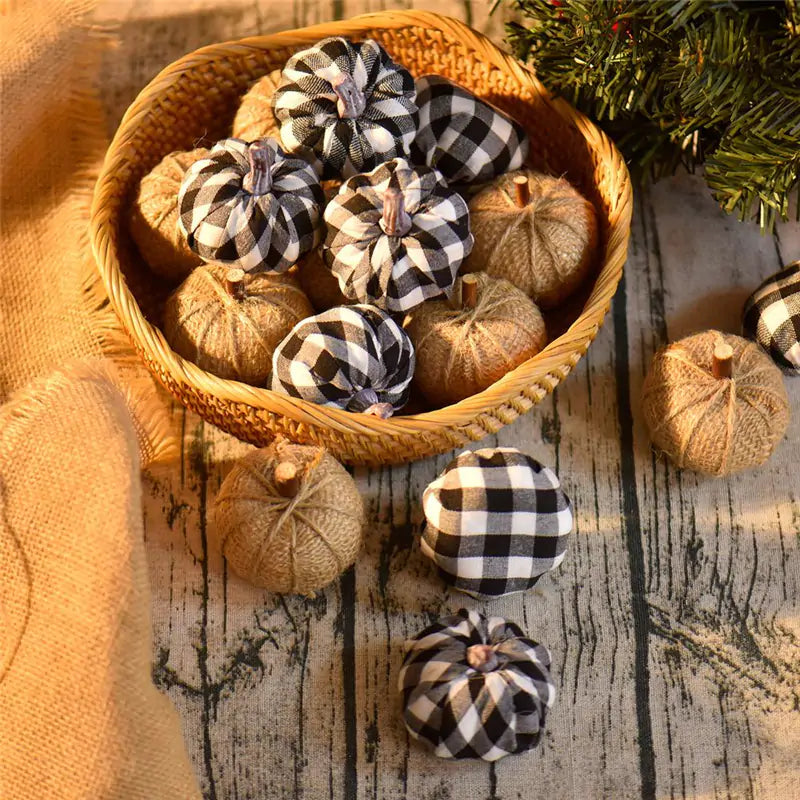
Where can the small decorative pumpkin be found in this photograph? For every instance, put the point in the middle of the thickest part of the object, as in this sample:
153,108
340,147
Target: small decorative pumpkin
255,119
289,518
229,323
465,344
772,317
497,520
475,687
537,232
465,138
353,357
319,283
396,236
154,217
251,206
345,107
715,403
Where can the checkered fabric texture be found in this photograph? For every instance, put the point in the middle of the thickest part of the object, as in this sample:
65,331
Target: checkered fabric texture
496,521
331,358
396,273
306,107
466,139
224,222
464,712
772,317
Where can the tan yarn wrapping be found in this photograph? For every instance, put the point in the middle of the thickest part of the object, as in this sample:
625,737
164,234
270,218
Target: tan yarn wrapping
547,248
254,119
154,217
319,283
289,544
233,338
714,425
461,351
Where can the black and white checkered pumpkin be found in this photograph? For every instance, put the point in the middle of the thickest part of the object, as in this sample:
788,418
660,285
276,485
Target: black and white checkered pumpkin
396,236
496,521
251,206
353,357
772,317
465,138
475,687
345,107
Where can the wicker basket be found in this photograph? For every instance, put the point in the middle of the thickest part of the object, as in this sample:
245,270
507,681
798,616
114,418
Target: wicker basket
195,99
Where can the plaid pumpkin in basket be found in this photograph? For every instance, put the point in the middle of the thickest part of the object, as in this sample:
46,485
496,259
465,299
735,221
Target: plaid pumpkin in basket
251,206
475,687
496,521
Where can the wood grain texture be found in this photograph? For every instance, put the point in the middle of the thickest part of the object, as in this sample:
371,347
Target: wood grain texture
673,622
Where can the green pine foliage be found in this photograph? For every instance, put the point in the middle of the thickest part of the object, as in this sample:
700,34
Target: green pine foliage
682,82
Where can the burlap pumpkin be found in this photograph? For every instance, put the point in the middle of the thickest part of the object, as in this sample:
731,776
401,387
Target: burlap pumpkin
464,347
319,283
154,217
706,421
541,235
231,328
289,518
255,119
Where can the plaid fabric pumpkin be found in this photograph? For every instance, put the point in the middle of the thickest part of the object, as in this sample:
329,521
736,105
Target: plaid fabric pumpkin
396,236
250,205
465,138
496,521
345,107
772,317
475,687
353,357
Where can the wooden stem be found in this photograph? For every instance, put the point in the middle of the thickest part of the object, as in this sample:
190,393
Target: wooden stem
234,283
395,220
287,481
722,361
482,657
259,180
351,101
522,191
469,291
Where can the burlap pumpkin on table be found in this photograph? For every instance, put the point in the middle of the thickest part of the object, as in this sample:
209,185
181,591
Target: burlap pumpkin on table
154,217
462,350
255,118
289,542
546,246
716,425
233,336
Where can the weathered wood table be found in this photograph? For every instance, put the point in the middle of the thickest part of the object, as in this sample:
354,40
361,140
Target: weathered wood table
673,622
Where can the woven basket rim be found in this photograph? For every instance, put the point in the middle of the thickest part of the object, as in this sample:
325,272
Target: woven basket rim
548,367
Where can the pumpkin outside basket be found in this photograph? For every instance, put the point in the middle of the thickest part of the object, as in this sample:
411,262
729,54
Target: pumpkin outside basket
168,115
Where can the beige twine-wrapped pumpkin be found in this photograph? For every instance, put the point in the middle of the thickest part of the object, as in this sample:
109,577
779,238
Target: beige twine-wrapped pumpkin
536,231
229,323
319,283
254,119
154,217
289,518
465,344
715,403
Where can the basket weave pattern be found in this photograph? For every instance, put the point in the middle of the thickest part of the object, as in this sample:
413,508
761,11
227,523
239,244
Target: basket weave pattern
193,101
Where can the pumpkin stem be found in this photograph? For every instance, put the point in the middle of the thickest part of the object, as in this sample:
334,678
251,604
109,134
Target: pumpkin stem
351,101
395,220
722,361
366,402
287,481
522,190
469,291
234,283
259,180
482,657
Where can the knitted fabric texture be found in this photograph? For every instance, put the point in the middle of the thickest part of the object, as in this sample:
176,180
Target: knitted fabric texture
344,354
293,544
154,217
709,424
465,138
396,270
475,687
224,221
547,248
345,107
462,351
496,521
772,317
233,337
255,118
